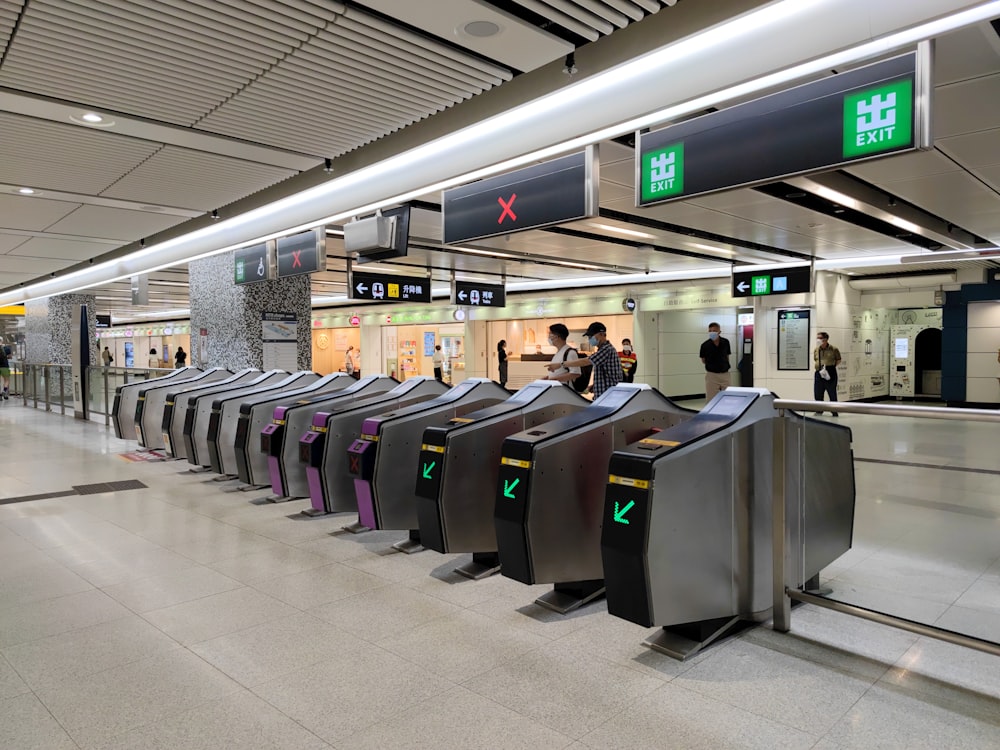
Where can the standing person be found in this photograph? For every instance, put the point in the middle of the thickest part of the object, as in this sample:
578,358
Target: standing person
106,357
154,358
629,361
715,356
438,360
607,366
825,361
4,373
349,363
558,333
180,358
502,362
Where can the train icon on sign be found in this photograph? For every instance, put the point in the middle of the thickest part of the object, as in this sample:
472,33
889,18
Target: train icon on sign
378,290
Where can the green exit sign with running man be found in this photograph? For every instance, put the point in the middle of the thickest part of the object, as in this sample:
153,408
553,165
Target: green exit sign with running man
878,119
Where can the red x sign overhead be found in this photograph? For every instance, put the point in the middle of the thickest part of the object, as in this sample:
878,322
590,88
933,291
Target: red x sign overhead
296,260
507,208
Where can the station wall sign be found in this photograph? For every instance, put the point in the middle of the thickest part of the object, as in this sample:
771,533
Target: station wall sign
384,287
478,294
253,264
301,253
873,111
791,280
553,192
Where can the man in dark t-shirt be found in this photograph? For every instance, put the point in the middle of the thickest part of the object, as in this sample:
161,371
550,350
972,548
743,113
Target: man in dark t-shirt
715,356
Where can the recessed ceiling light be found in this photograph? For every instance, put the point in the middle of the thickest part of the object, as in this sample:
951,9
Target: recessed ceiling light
26,191
93,117
481,29
629,232
92,120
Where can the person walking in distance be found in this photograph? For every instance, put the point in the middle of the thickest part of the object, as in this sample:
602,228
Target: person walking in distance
180,358
106,357
714,355
502,362
349,367
438,360
607,366
825,361
4,373
629,361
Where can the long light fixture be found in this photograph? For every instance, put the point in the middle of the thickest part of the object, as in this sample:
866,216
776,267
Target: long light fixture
984,253
506,131
626,232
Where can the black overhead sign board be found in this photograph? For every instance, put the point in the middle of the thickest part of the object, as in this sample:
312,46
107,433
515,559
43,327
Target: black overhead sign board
478,294
252,264
861,114
302,253
384,287
791,280
553,192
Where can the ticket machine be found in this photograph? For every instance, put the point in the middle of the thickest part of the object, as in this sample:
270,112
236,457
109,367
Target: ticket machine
126,396
384,457
458,466
226,415
550,491
323,448
150,403
256,413
175,407
687,533
199,412
280,439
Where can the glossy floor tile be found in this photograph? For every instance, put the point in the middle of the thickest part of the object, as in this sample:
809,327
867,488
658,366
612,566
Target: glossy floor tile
185,616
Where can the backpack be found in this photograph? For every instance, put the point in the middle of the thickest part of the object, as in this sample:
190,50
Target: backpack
581,381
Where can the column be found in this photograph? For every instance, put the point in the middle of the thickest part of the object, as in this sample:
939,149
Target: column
48,328
231,315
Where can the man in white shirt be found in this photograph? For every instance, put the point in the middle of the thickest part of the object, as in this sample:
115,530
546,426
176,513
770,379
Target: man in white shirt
438,360
558,333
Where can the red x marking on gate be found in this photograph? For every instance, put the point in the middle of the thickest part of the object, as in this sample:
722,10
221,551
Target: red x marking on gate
354,464
507,208
296,262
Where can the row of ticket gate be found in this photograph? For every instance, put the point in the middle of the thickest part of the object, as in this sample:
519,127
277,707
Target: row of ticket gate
665,510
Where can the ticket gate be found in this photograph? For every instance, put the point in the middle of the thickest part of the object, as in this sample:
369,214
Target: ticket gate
126,396
225,419
175,407
151,401
280,439
322,449
454,504
199,413
687,538
550,491
256,413
384,457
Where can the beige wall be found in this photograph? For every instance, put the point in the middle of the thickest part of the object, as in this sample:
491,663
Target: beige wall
329,348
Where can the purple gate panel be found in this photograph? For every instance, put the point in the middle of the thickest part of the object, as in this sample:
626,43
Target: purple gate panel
366,503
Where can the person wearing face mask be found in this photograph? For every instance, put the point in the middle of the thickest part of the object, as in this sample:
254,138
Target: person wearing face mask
825,361
629,361
607,366
558,333
715,356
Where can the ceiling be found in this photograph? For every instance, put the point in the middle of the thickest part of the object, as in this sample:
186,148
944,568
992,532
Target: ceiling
206,102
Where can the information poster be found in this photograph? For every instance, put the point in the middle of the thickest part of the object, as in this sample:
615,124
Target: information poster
280,336
794,350
429,339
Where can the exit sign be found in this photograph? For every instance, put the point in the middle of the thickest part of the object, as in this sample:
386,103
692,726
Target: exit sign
791,280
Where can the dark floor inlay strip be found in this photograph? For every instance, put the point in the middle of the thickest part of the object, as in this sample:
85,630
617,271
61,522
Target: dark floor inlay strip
44,496
968,469
96,489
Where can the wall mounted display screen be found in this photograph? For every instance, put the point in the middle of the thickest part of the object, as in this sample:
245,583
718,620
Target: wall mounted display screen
794,346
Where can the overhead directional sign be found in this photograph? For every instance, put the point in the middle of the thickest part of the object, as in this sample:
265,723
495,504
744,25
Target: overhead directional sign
872,111
302,253
553,192
253,264
478,294
792,280
383,287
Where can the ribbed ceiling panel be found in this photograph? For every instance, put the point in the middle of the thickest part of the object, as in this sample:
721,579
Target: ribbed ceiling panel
194,179
171,60
592,19
360,79
9,11
67,158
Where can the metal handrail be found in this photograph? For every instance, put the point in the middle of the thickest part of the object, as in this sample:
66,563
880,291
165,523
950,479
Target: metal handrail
784,589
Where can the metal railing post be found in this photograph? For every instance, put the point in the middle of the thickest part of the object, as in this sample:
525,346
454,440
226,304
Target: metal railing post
107,411
782,613
62,391
34,384
46,375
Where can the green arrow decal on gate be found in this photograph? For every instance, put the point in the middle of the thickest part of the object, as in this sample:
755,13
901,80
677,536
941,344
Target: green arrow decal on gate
620,514
508,488
427,469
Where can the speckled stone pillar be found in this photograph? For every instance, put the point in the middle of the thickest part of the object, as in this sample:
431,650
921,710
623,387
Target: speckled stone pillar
48,328
231,314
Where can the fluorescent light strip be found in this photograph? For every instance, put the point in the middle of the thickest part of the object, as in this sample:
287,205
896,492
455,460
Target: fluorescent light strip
508,121
628,232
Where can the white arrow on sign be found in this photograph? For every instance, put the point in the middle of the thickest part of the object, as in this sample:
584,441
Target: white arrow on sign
362,288
461,296
742,286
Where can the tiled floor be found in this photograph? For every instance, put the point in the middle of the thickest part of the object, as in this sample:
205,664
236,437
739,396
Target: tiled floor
182,616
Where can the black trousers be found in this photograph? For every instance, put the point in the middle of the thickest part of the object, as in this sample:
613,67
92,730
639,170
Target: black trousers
437,373
827,387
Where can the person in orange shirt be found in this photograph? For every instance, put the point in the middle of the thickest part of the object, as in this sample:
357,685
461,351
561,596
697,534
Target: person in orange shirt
629,361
